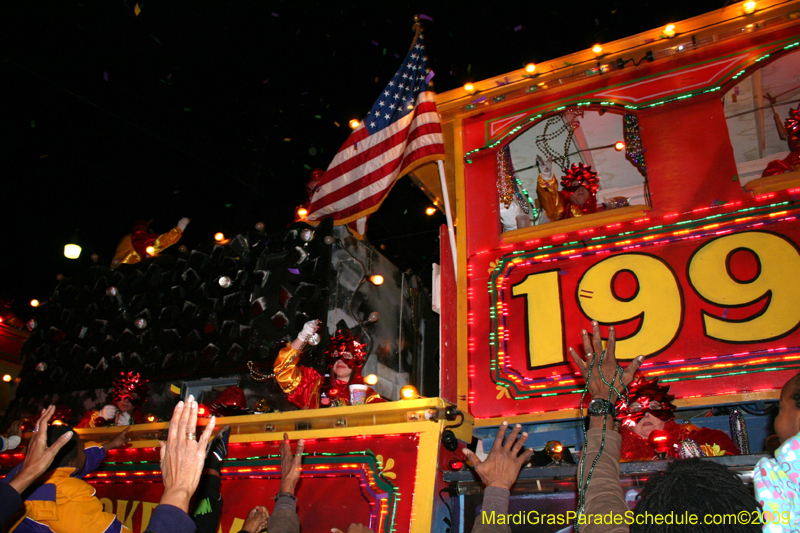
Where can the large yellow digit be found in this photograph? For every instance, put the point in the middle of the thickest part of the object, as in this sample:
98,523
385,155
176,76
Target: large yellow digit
712,280
657,303
543,312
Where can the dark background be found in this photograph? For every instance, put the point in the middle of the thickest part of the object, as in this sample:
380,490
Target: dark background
201,97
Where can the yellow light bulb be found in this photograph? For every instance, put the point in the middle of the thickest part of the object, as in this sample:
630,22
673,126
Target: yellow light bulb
34,303
430,211
219,236
371,379
150,250
669,31
469,87
376,279
409,392
302,213
749,7
597,49
72,251
354,123
7,378
619,146
530,68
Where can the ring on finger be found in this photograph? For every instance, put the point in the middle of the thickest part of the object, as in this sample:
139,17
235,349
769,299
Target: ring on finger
191,436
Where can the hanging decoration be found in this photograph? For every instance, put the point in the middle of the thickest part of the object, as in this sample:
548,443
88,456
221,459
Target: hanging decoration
508,186
633,143
569,123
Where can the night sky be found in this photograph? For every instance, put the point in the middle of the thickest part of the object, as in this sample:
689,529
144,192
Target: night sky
218,110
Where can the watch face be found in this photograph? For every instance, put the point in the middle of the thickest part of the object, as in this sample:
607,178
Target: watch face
598,407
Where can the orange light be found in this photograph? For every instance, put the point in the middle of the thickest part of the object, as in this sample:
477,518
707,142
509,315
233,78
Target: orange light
530,68
150,250
409,392
58,423
597,49
430,211
302,213
7,378
151,418
202,410
669,31
219,236
748,7
354,123
619,146
371,379
469,87
376,279
34,303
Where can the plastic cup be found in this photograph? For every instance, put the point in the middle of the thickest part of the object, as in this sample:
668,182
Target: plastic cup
358,394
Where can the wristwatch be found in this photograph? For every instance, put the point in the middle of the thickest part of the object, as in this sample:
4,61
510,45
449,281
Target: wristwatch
600,407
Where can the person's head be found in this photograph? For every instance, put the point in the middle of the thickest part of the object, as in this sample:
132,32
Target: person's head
580,196
648,407
345,356
792,126
787,423
695,486
72,453
647,424
581,184
124,404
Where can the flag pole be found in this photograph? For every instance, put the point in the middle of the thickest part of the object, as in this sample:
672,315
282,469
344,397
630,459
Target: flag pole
450,232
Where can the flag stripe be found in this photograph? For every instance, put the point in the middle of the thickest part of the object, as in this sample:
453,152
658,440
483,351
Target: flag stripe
367,172
393,139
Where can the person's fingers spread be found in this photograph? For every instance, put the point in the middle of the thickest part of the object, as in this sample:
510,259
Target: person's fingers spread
587,346
469,454
45,418
597,339
193,415
206,436
61,442
578,361
525,456
520,443
498,439
512,438
612,342
632,368
173,426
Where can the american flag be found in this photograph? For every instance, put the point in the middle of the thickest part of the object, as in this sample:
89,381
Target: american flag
401,133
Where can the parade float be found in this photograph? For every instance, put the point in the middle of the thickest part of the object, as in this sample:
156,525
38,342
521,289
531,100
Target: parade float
682,136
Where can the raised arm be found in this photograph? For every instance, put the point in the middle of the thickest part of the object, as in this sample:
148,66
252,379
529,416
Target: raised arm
603,492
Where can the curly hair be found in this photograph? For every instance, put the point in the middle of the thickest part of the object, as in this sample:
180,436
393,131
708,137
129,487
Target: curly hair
700,487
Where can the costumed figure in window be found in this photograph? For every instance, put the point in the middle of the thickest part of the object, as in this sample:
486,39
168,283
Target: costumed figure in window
578,194
142,242
306,388
130,391
792,161
649,408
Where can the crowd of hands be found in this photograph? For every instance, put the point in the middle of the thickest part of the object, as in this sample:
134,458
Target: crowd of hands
182,462
182,458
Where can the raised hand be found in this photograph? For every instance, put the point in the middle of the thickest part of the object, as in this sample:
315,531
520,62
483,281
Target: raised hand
119,441
593,347
182,223
502,466
38,456
182,456
291,464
